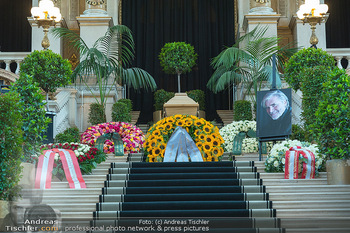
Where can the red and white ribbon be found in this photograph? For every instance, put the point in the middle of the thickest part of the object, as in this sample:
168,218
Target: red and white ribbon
292,163
70,166
44,170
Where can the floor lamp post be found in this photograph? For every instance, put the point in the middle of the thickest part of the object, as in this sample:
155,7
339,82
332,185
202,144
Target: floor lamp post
313,13
45,16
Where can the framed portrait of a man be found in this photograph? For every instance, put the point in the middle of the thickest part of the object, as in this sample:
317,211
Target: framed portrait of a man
274,113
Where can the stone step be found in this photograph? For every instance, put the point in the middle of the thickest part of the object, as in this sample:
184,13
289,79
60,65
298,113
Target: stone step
309,196
89,178
318,230
69,199
77,216
278,182
308,188
74,207
89,184
72,192
306,213
319,204
266,175
316,222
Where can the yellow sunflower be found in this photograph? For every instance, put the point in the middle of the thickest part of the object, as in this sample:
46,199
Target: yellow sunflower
216,153
197,132
207,147
153,143
199,145
180,123
209,138
168,126
198,122
160,127
216,142
188,122
178,117
170,120
156,132
162,146
207,129
156,151
201,136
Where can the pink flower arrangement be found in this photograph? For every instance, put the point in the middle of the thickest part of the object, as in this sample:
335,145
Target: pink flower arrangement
133,138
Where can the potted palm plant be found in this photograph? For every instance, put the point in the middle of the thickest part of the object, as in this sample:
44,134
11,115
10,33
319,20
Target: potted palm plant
106,61
332,126
248,62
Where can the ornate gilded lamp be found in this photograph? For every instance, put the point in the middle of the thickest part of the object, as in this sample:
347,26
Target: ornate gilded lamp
46,15
313,13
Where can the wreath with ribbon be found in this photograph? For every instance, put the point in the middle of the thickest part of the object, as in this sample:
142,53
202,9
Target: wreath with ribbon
205,135
132,136
230,131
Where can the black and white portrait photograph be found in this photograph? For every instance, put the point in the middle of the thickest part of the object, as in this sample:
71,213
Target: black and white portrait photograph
274,113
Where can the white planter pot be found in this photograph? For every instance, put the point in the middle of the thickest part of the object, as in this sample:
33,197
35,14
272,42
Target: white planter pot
28,175
338,172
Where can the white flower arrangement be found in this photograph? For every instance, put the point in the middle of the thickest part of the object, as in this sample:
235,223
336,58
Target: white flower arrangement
275,160
78,148
228,133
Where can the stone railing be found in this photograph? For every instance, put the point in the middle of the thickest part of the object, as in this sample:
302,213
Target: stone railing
342,56
65,108
9,58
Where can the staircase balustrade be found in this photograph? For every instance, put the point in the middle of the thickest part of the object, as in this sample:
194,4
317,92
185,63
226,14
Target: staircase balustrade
65,108
342,56
8,58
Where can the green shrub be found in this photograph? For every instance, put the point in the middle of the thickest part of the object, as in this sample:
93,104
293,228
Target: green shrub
331,124
35,122
48,69
199,97
10,144
311,86
161,97
306,58
69,135
242,110
120,112
97,114
128,102
298,133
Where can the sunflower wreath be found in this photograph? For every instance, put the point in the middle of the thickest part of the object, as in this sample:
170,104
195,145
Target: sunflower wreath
133,138
205,135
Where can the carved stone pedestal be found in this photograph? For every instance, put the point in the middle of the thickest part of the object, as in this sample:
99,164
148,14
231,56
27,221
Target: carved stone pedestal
181,104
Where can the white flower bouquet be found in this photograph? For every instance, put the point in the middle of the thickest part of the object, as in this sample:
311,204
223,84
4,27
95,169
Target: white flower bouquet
275,160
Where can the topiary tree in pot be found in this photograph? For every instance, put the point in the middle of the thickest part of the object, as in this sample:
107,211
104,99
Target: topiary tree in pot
331,125
48,69
177,58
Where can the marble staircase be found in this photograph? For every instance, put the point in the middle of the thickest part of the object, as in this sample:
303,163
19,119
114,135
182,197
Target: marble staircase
302,205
